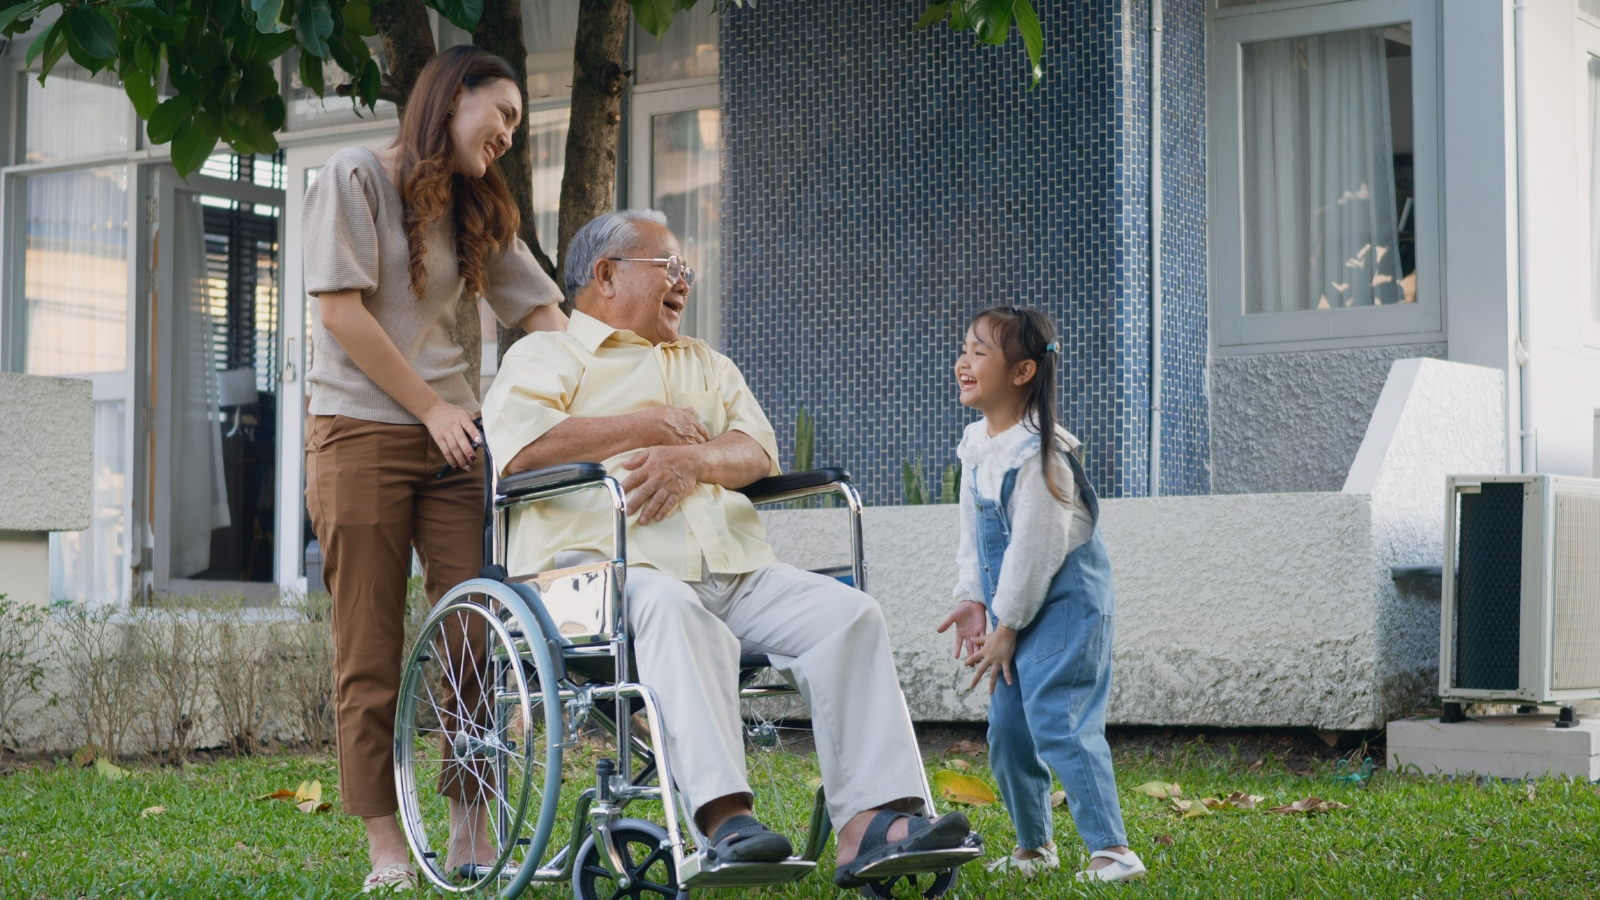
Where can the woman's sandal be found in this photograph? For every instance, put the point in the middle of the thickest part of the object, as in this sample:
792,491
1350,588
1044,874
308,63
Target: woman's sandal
1124,867
743,839
393,877
923,835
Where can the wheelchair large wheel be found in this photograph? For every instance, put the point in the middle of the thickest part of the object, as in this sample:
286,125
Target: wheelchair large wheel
479,719
644,851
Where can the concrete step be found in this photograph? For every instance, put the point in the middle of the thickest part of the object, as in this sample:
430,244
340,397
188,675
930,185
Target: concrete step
1512,746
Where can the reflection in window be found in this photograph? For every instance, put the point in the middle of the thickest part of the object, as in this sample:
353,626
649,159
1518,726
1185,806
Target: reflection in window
549,30
547,141
75,273
88,565
686,184
687,50
75,115
1594,187
1328,206
307,110
1592,7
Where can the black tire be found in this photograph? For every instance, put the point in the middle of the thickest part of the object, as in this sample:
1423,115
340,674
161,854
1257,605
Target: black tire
649,862
929,885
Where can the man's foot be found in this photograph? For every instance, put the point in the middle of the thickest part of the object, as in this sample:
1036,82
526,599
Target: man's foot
850,835
876,841
742,838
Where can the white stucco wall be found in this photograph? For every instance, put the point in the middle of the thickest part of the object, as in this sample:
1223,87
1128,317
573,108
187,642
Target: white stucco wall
1232,610
46,442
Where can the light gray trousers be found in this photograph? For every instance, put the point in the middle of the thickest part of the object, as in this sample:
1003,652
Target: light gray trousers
827,638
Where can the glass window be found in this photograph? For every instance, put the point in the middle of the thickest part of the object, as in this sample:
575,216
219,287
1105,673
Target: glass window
307,110
88,565
686,184
1327,172
1594,187
75,273
689,49
75,115
550,29
547,140
1592,7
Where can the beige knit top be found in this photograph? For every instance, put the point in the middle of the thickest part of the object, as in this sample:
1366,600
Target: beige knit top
355,238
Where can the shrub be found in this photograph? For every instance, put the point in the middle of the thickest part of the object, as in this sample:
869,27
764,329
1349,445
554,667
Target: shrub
175,656
244,678
21,659
306,652
101,659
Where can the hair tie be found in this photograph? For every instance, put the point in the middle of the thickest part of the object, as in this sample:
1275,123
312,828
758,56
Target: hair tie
1052,347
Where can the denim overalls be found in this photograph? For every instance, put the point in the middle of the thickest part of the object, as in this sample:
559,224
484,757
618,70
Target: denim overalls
1054,714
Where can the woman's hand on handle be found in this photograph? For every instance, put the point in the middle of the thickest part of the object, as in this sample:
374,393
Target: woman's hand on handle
454,430
970,619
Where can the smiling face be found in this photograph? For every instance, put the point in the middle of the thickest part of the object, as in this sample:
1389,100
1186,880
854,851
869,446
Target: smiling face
636,296
987,383
481,129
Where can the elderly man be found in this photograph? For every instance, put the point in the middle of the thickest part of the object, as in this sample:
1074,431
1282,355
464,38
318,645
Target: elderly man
676,420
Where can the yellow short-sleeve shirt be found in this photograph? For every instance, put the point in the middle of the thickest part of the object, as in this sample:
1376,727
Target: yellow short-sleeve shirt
592,369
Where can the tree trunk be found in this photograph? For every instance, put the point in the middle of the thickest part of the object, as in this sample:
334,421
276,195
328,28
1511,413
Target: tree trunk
407,45
599,76
500,32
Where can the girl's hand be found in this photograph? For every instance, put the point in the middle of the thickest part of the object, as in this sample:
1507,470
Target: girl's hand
994,657
452,428
970,620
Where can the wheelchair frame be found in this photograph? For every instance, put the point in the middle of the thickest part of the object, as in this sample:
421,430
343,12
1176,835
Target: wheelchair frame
638,761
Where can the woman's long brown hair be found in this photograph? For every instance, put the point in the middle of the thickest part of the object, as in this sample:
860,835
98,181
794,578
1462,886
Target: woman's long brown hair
1023,333
486,216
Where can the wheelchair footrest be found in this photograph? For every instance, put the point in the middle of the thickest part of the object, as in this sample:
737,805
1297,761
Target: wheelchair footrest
919,863
699,871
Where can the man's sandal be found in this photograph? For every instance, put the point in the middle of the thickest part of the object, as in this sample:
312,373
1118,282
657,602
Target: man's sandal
923,835
393,877
1026,868
1124,867
743,839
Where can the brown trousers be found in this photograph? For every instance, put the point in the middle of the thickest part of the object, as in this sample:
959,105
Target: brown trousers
373,494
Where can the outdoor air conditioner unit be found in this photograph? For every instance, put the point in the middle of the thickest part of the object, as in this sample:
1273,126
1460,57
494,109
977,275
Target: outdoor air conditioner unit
1521,616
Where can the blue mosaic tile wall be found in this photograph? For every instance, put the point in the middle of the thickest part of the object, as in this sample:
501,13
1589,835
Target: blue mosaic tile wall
882,185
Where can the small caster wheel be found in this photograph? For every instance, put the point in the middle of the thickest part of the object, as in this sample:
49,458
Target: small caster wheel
928,884
647,857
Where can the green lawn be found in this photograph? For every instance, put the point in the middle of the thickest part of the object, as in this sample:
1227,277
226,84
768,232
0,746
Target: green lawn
67,832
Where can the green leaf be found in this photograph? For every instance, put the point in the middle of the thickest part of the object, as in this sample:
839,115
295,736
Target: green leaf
933,15
370,83
269,47
959,788
993,21
654,16
39,43
916,490
194,143
358,17
313,24
463,14
349,52
246,130
150,14
274,113
10,14
92,33
258,83
950,486
109,770
1032,37
267,13
53,53
170,116
141,90
962,14
311,73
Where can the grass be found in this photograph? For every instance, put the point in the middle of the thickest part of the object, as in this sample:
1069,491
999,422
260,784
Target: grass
67,832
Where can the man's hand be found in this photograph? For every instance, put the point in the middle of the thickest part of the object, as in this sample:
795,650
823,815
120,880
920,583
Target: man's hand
669,426
971,621
659,478
994,657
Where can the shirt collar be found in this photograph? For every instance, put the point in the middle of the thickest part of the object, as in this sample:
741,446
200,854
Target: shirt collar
592,333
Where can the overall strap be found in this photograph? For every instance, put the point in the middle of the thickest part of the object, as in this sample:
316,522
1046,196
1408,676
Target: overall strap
1085,489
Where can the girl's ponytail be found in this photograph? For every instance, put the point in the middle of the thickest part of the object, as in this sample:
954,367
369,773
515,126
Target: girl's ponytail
1026,334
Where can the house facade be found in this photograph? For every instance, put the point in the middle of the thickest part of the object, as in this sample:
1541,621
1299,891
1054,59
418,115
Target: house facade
1325,187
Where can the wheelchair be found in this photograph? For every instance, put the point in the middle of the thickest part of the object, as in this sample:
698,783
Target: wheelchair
508,670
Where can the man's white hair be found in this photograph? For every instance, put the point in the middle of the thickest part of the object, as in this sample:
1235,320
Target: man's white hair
612,234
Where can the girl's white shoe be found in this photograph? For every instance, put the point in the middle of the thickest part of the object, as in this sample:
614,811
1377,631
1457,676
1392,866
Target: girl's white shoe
1027,868
393,877
1124,867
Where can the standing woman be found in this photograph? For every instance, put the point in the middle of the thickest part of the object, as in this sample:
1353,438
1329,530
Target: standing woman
392,238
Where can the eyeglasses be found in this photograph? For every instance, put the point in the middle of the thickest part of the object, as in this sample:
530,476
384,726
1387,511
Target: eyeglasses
676,267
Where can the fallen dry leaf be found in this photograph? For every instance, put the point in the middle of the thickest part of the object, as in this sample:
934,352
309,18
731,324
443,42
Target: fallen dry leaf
814,783
1235,800
152,811
1533,789
960,765
1257,764
277,795
308,790
1310,806
1191,809
85,755
960,788
107,770
970,747
1160,790
1165,840
1058,798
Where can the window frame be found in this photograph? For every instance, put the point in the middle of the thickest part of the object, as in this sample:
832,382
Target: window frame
1233,331
1586,45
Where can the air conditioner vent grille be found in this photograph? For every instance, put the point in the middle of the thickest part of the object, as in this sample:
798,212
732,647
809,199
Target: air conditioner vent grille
1489,589
1575,661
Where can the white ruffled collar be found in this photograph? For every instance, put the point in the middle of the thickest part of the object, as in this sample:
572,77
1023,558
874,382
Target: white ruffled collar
1010,448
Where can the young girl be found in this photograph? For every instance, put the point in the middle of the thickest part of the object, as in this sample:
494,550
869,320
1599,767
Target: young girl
1032,565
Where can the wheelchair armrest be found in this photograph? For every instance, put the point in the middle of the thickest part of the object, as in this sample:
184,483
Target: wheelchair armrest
780,485
565,475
